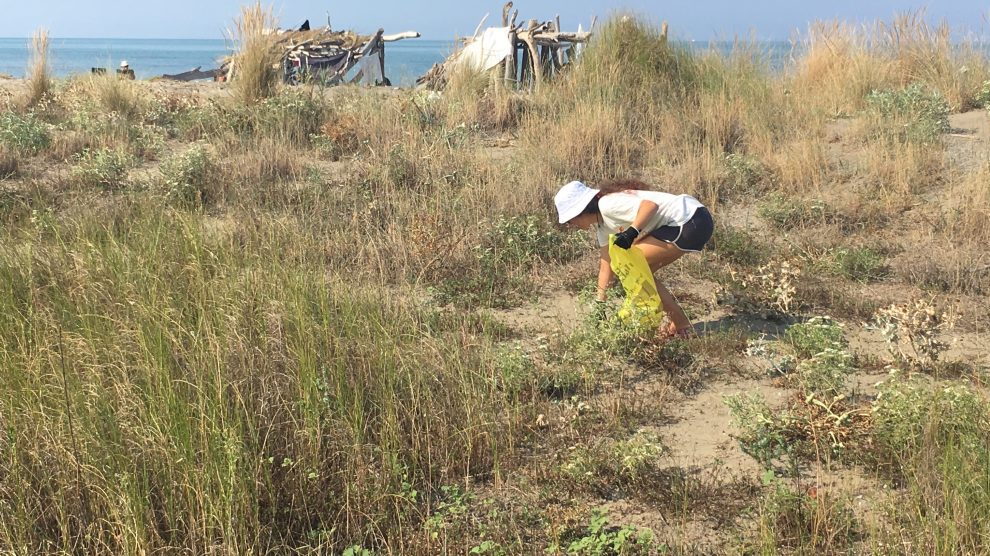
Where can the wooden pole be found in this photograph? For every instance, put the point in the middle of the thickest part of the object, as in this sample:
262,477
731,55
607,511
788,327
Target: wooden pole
534,55
505,13
510,60
504,66
381,62
663,32
524,71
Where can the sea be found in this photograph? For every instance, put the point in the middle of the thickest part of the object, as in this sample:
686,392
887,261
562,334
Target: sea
404,60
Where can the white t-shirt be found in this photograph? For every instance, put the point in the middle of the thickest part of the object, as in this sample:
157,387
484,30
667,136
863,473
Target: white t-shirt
619,210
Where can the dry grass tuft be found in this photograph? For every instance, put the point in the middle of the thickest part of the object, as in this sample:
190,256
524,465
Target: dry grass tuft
481,100
110,95
261,163
896,171
39,78
842,63
801,165
255,75
591,143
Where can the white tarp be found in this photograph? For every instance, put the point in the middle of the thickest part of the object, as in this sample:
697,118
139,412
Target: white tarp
488,50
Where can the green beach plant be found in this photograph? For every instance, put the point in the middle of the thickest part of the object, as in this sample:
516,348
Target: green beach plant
26,134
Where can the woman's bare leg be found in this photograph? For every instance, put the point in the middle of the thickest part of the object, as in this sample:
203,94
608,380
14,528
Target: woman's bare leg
660,254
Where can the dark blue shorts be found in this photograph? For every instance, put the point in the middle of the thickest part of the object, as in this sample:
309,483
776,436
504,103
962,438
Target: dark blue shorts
692,236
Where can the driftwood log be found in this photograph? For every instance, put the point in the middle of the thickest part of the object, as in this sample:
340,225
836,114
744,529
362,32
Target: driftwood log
194,75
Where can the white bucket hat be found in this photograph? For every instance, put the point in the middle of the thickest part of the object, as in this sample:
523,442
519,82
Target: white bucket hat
572,199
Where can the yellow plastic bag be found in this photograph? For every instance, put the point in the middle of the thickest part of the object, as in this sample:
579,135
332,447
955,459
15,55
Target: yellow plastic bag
642,306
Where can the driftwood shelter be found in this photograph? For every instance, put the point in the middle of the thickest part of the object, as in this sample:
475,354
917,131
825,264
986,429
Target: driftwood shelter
527,53
319,55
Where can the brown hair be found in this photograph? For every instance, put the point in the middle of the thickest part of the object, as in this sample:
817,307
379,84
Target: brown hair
614,186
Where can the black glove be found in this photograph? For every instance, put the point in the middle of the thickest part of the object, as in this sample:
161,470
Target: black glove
625,238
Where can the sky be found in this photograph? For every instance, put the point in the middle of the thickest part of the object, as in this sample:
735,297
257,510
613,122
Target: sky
448,19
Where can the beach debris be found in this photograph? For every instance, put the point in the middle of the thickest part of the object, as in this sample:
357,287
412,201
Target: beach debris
194,74
527,54
327,57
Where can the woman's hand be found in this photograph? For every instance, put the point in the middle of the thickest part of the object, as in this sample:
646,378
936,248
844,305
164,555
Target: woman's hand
625,238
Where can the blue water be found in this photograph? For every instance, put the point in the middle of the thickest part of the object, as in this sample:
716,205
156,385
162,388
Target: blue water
404,60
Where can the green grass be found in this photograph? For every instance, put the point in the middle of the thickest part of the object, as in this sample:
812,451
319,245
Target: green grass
265,325
167,380
934,441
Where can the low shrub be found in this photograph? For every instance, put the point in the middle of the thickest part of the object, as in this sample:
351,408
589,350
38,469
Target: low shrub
738,246
825,373
600,539
910,412
815,336
861,264
785,213
337,138
290,117
745,174
502,260
26,133
982,97
823,362
913,332
808,521
915,113
932,439
103,168
765,434
623,460
769,290
191,178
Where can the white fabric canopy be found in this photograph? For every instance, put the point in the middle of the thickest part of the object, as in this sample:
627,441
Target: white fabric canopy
487,50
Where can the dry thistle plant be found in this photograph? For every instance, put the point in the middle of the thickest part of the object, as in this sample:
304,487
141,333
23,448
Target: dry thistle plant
912,331
770,289
39,79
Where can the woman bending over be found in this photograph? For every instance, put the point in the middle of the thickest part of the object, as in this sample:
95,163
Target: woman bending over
663,226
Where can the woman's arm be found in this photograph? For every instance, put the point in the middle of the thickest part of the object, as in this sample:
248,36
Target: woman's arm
605,274
646,211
